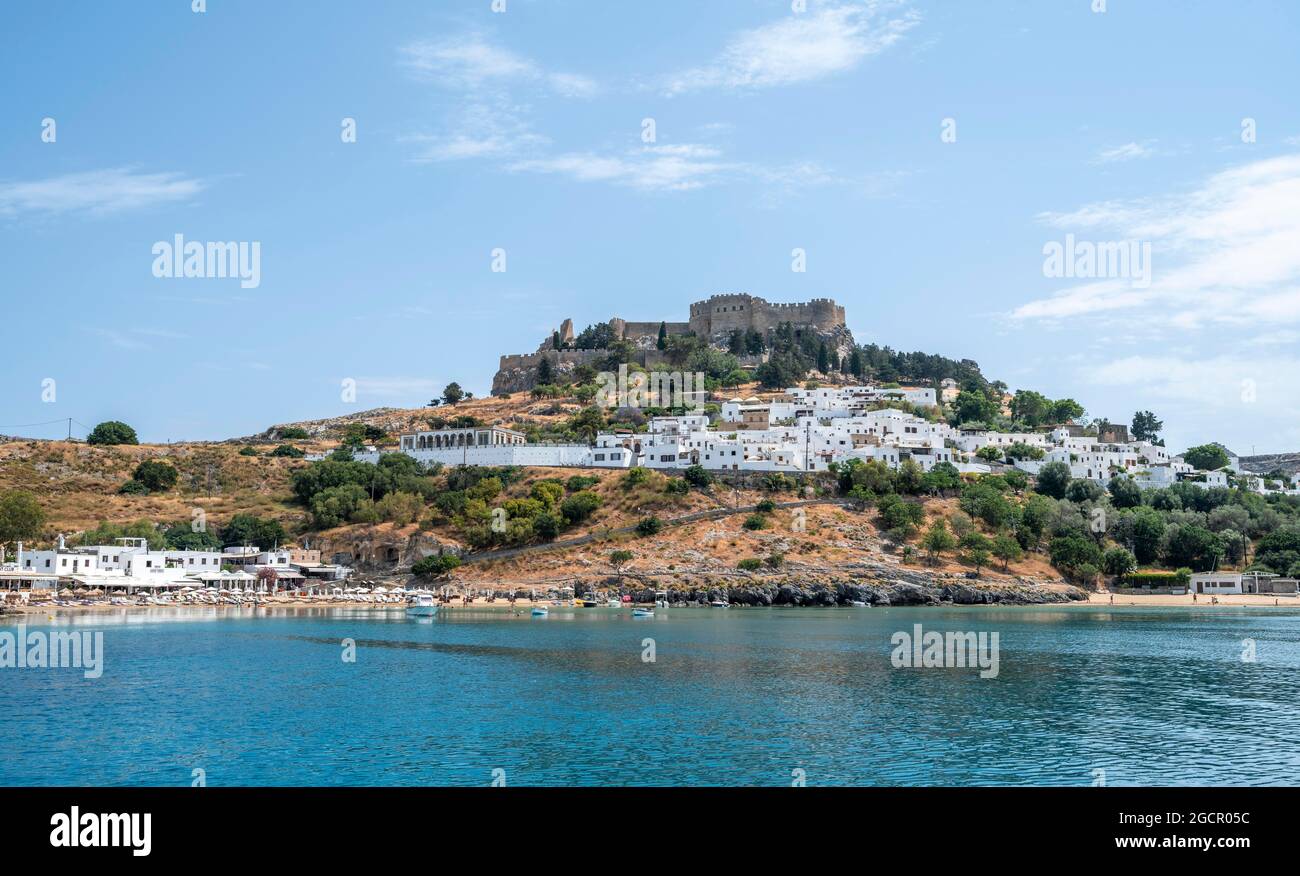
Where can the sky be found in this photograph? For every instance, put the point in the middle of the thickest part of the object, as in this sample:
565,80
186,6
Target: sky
626,159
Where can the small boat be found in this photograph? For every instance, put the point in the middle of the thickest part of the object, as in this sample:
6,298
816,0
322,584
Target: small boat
640,611
613,603
858,603
591,603
422,604
719,603
540,611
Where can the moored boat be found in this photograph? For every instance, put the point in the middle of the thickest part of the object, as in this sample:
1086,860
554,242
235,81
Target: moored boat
540,611
422,604
641,611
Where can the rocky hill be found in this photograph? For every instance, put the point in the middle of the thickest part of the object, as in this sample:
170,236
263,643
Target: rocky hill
809,549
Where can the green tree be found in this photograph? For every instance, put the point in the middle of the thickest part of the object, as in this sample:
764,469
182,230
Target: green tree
698,476
156,476
579,506
1053,479
545,372
649,526
943,478
1065,410
1206,457
1082,490
587,423
1006,549
620,558
662,342
938,540
21,517
1124,493
249,529
112,432
1148,531
1146,427
435,566
453,394
546,525
1031,408
970,407
1118,562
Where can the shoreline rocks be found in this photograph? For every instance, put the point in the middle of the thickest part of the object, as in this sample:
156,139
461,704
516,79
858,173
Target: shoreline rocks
902,588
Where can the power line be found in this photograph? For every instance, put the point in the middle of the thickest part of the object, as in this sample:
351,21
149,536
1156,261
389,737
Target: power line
32,425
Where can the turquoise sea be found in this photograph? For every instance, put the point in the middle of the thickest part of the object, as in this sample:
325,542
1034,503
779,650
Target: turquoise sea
732,697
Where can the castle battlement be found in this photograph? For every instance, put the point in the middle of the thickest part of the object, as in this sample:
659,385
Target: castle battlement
717,315
728,311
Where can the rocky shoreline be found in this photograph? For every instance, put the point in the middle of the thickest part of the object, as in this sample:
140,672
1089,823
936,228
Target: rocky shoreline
899,587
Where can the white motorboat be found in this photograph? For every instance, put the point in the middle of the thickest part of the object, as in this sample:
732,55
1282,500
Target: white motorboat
719,603
641,611
422,604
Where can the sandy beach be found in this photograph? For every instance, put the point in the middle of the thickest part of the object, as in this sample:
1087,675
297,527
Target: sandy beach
1202,600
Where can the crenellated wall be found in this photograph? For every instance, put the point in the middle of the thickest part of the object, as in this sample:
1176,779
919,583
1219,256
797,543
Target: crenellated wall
724,313
718,315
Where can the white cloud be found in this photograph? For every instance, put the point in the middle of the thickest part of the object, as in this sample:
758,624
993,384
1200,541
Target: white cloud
826,40
1239,397
488,129
674,168
662,168
97,192
469,61
486,121
135,338
1127,152
1226,253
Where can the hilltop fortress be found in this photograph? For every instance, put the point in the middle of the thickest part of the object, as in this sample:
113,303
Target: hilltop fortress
712,320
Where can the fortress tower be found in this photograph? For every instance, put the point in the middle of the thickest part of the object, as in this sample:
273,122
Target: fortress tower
721,314
711,320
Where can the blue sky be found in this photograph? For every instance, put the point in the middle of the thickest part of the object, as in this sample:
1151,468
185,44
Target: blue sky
523,130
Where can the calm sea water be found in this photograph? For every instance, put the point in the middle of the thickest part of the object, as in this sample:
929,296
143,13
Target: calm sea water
734,697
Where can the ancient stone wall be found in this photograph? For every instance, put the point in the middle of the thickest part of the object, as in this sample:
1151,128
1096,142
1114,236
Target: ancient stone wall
721,314
711,319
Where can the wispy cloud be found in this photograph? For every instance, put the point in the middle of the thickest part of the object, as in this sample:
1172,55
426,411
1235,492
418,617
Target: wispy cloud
1225,253
133,338
487,120
663,168
827,39
491,128
491,121
677,168
470,61
96,192
1126,152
